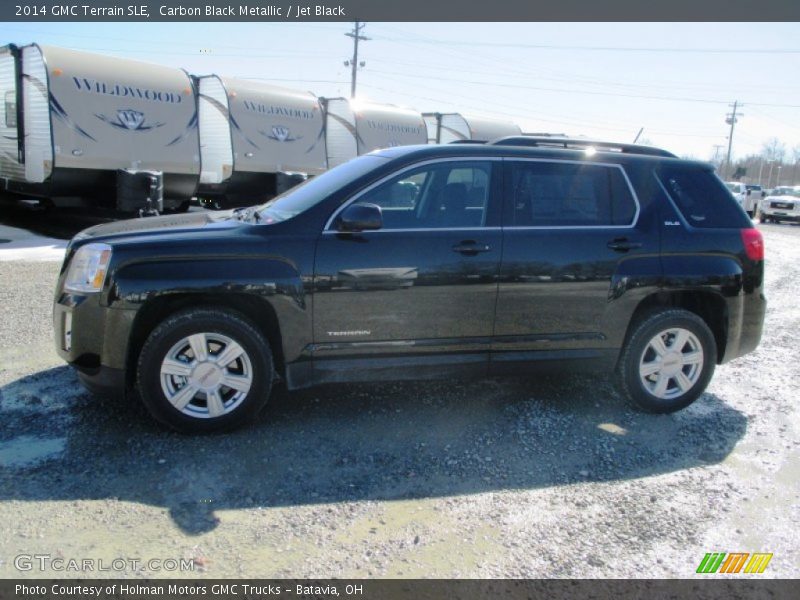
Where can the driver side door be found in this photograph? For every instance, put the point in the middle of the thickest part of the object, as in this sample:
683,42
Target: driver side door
423,284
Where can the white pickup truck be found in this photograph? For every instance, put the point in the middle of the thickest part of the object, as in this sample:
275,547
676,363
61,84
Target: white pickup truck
739,191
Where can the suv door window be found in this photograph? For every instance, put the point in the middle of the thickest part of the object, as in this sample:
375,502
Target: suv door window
550,194
443,195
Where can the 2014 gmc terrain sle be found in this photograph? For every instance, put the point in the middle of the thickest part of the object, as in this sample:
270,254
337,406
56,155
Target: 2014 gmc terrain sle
420,262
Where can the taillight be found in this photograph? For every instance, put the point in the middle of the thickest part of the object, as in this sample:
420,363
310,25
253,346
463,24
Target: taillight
753,243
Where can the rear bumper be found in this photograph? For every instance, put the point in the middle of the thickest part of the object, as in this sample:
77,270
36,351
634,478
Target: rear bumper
746,314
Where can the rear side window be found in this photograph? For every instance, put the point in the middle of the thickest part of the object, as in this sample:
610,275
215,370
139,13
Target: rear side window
547,194
701,197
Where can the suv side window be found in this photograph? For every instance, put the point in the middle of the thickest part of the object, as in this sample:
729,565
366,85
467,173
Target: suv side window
553,194
701,197
444,195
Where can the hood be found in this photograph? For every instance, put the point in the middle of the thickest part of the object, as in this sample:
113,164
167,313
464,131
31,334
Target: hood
144,226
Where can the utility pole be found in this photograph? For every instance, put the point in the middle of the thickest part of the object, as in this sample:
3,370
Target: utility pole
730,119
358,27
717,150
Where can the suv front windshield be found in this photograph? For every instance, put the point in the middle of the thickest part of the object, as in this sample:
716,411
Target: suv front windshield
299,199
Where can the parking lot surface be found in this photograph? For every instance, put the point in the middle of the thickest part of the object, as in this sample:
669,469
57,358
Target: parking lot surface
548,477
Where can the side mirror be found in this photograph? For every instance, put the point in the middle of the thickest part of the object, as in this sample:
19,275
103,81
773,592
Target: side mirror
763,194
360,217
749,192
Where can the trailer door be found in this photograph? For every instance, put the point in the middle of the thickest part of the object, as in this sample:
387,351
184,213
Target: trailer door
10,167
36,112
340,133
216,151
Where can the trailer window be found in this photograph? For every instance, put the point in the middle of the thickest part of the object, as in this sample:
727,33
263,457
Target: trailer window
10,103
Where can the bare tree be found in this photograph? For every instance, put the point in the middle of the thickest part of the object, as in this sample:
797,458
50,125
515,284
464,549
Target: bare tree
796,157
773,149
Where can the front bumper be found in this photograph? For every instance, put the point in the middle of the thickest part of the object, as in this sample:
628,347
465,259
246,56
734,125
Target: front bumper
782,213
93,339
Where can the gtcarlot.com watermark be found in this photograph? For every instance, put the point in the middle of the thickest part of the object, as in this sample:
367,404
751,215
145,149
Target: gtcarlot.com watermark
48,562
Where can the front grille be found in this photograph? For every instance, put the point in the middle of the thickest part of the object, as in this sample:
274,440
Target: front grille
782,205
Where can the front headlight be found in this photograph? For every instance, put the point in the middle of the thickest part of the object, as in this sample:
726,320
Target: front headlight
88,268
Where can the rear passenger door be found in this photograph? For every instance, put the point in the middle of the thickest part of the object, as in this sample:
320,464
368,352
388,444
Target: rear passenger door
568,227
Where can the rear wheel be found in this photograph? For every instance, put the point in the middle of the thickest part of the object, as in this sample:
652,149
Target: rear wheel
667,361
205,370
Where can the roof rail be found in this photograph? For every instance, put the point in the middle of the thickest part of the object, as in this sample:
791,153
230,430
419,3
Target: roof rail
469,142
579,143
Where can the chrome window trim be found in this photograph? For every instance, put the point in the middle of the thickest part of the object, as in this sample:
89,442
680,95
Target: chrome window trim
369,188
634,221
415,230
635,197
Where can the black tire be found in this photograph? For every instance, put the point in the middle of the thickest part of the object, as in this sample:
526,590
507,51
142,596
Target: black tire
253,365
637,349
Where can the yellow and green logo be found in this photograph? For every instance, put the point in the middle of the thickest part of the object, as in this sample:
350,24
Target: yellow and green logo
734,562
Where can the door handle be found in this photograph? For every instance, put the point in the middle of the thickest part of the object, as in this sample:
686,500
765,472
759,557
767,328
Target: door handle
471,247
623,244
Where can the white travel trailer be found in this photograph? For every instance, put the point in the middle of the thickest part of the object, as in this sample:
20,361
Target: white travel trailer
252,134
72,120
353,128
444,128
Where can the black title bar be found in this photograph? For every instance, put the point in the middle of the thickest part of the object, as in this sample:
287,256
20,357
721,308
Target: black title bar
405,10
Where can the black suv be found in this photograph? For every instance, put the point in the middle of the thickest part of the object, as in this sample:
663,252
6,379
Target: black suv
418,262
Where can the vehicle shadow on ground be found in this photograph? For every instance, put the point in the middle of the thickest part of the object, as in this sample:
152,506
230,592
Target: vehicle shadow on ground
352,442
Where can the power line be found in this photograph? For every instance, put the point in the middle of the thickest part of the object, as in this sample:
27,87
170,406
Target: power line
603,48
562,90
533,74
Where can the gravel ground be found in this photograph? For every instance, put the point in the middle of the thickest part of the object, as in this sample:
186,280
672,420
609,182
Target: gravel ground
496,478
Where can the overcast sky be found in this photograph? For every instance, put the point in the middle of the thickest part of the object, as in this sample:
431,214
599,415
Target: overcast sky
602,80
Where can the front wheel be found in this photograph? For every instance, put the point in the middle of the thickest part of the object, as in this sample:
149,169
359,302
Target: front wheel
667,362
205,370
